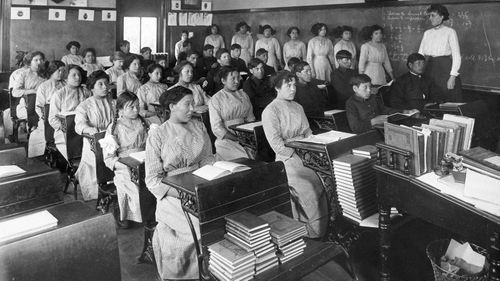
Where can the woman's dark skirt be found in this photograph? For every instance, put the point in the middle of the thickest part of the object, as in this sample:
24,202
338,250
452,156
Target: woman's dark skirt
437,69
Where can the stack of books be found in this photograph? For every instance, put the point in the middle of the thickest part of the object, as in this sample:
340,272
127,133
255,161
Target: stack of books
356,186
252,233
286,234
367,151
229,261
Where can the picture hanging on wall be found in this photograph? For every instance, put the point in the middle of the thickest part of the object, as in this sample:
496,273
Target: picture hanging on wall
57,14
172,19
206,6
108,15
32,2
191,4
19,13
86,15
176,5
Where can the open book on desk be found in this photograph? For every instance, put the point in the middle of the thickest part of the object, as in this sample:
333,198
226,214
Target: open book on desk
249,126
333,112
328,137
10,170
219,169
378,87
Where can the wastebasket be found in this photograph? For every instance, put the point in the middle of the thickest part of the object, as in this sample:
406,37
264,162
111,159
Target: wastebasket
436,249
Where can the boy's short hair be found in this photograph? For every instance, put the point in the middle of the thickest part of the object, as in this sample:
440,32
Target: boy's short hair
298,67
146,49
254,62
359,79
343,54
292,61
208,47
235,46
192,52
261,51
413,58
221,51
186,43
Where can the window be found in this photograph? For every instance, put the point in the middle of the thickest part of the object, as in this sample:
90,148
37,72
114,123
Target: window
140,32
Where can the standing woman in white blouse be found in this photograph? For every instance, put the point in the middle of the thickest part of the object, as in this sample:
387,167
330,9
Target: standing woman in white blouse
442,51
271,45
243,37
294,47
214,38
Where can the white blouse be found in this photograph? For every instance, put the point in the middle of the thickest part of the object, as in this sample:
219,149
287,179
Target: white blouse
442,41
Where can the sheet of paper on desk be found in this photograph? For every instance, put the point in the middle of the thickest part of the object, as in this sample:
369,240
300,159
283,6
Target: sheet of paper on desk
494,160
10,170
333,111
25,225
139,156
328,137
250,126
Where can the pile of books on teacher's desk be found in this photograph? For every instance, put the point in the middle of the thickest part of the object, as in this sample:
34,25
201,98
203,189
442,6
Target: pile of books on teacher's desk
429,143
482,180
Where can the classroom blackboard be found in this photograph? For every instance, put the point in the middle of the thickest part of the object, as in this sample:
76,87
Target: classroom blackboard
478,29
51,37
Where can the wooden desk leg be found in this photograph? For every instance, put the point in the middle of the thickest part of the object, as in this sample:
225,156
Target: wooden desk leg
385,240
495,257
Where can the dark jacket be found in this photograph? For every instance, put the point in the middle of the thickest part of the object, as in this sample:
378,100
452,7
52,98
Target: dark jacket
411,91
360,112
341,78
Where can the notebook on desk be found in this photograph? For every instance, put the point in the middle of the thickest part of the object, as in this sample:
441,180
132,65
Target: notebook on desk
328,137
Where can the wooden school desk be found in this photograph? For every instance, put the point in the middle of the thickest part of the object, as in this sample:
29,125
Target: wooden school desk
255,142
319,157
83,246
421,200
337,121
74,146
39,187
259,190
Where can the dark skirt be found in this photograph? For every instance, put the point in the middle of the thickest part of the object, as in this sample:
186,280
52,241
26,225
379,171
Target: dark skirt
437,69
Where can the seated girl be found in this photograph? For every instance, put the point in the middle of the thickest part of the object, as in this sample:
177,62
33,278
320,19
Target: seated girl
129,81
150,93
283,121
185,71
128,133
117,69
228,107
45,91
66,100
181,144
89,62
92,116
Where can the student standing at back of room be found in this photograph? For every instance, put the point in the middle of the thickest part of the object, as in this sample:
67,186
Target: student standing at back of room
442,51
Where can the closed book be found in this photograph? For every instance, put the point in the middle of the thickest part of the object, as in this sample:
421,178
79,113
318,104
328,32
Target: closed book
281,224
483,158
230,252
247,246
247,221
215,258
351,161
453,133
245,236
403,138
482,187
469,127
365,150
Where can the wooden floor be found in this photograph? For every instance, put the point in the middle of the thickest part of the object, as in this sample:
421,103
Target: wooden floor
409,263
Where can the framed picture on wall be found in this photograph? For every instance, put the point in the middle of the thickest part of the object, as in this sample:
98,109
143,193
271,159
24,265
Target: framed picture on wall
191,4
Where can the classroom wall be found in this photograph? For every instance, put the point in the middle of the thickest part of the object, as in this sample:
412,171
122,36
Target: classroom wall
51,37
224,5
67,3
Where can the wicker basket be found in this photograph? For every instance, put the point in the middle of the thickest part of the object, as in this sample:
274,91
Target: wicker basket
436,249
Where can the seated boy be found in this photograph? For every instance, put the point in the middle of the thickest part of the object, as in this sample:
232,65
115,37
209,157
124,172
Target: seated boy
413,90
213,78
257,87
192,57
235,58
262,55
365,110
208,60
341,78
308,94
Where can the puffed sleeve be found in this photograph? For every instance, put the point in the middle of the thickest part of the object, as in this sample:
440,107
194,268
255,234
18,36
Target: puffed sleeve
110,159
216,122
310,56
55,108
363,58
82,112
18,88
277,48
455,53
120,84
41,100
387,62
